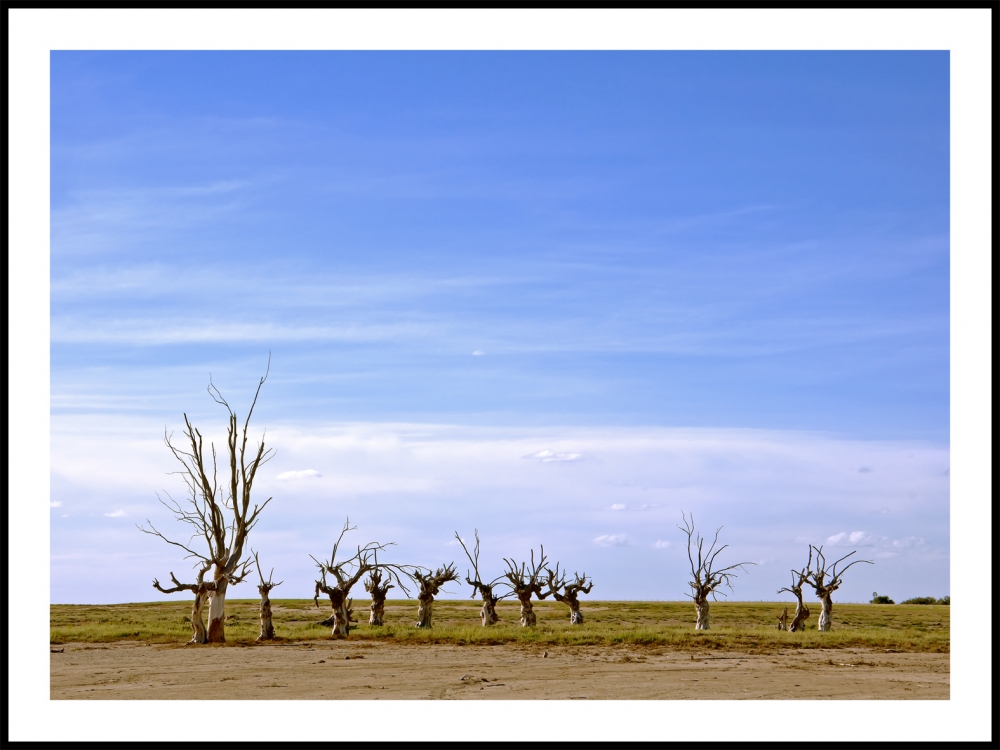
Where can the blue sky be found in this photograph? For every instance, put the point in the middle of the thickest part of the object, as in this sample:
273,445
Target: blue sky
558,296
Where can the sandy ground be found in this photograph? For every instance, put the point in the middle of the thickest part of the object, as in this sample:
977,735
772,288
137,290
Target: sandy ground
341,670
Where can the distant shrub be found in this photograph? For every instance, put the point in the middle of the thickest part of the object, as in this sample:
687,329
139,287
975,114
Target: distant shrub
881,599
928,600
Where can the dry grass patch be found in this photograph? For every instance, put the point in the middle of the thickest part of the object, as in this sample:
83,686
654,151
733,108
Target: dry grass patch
737,626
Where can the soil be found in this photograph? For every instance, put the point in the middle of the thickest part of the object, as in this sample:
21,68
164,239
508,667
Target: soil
366,671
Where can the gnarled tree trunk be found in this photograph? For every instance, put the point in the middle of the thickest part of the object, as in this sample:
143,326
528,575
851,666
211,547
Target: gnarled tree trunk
266,623
826,613
488,614
425,609
703,620
799,621
199,634
782,619
340,619
377,611
528,618
217,611
379,590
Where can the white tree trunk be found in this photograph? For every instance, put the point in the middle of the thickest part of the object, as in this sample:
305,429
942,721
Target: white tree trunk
702,621
527,613
342,619
424,611
826,613
199,634
377,612
575,615
489,614
217,612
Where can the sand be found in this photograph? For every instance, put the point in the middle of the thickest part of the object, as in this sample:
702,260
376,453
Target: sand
372,670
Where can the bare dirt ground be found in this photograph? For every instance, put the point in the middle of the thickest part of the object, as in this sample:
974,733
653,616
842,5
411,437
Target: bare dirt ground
366,671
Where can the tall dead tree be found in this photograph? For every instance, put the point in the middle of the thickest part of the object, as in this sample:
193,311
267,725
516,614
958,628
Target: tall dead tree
430,584
824,588
568,593
209,504
524,582
706,579
264,589
799,577
201,590
488,615
347,573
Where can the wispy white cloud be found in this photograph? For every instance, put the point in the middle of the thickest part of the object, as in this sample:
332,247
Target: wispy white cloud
660,544
55,504
611,540
618,506
154,332
115,514
304,474
478,353
548,455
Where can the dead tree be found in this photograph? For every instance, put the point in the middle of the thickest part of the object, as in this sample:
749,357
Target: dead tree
489,612
266,624
378,588
526,581
799,577
201,589
824,588
706,580
430,584
567,593
783,619
348,572
209,504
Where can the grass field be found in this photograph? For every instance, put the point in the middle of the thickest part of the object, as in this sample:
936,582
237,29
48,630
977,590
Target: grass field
742,626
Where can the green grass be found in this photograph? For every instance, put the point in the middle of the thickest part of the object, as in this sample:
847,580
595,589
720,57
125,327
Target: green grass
742,626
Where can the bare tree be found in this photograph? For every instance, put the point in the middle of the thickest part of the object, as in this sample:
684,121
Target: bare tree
801,610
430,584
524,582
201,591
568,593
782,619
706,580
378,583
266,624
208,505
348,572
824,588
378,588
485,590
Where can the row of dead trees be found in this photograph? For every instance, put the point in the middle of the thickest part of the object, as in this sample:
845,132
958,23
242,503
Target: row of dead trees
340,573
220,515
